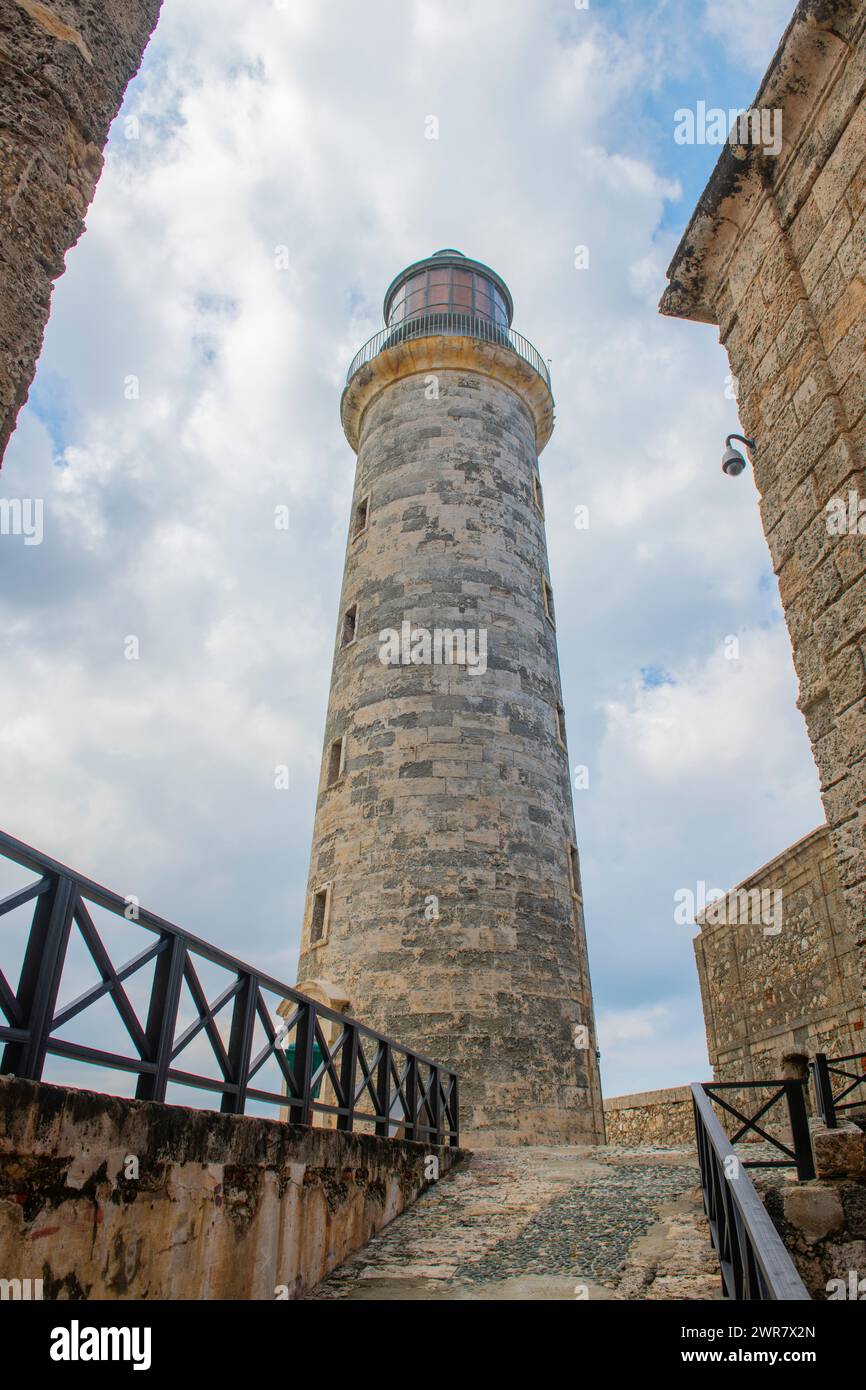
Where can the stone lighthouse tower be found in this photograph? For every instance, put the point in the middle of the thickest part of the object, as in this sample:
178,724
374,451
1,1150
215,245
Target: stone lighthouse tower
444,904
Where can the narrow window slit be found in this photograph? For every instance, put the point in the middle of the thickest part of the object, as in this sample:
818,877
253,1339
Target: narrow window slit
319,916
361,518
574,871
335,761
560,724
547,594
350,625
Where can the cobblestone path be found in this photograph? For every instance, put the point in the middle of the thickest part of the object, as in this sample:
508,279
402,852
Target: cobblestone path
542,1224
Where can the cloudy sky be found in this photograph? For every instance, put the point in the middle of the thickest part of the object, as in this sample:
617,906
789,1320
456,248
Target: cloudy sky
190,384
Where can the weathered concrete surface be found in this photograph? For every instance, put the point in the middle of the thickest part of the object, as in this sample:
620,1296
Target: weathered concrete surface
775,255
545,1224
675,1260
650,1117
222,1206
769,995
453,921
64,68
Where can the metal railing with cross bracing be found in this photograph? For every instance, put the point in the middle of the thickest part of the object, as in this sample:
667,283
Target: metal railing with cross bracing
370,1080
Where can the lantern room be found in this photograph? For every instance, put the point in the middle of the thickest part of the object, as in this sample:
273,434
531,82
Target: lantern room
448,283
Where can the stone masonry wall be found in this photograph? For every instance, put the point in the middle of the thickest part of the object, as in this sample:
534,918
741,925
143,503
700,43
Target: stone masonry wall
222,1206
769,995
776,256
455,796
64,67
650,1117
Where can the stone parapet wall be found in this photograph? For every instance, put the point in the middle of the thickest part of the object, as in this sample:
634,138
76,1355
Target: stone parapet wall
102,1197
650,1117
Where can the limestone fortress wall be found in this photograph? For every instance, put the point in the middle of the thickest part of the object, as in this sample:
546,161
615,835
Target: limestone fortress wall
775,256
66,67
787,990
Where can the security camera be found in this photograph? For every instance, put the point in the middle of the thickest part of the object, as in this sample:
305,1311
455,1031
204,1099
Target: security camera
733,461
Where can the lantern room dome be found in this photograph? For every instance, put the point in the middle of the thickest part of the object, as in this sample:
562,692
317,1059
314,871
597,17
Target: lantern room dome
448,282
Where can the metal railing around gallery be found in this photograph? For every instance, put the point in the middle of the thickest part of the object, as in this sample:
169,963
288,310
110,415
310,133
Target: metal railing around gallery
451,324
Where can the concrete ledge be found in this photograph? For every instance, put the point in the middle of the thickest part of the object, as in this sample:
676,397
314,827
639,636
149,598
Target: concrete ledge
102,1197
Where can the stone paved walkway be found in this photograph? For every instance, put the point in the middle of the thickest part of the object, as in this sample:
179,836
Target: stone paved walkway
545,1224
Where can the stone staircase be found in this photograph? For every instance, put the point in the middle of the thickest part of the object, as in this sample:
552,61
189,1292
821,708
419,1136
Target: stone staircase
543,1224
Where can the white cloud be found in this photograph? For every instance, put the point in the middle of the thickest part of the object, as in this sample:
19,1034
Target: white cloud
721,716
651,1041
750,32
629,1025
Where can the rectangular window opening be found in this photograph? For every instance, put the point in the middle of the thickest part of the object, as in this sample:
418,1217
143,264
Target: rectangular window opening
560,725
547,593
574,871
537,494
319,916
362,517
335,761
350,626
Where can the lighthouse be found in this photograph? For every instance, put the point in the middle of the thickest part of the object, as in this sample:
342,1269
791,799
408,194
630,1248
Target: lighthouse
445,901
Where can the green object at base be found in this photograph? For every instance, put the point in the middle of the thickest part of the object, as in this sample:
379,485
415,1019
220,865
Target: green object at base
317,1062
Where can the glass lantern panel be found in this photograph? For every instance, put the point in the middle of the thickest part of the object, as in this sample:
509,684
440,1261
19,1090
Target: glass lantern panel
397,305
482,297
461,293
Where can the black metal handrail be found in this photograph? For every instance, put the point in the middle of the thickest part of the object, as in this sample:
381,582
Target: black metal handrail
373,1079
793,1092
823,1070
754,1262
451,324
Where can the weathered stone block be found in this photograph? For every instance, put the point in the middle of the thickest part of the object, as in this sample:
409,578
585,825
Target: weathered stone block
839,1153
815,1211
